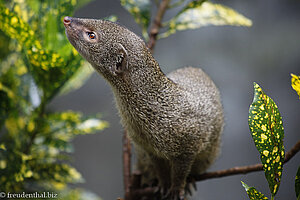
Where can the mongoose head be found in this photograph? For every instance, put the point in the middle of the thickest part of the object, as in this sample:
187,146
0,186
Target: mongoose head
112,49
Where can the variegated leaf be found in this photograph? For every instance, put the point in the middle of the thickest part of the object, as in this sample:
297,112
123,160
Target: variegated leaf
266,127
198,14
296,83
253,193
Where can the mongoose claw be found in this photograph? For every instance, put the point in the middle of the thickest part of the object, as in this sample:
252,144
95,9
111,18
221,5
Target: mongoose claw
163,191
191,187
174,195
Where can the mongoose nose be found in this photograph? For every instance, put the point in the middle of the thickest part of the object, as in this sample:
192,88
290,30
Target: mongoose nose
67,20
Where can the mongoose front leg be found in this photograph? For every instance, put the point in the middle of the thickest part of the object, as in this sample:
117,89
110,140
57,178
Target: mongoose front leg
162,170
180,168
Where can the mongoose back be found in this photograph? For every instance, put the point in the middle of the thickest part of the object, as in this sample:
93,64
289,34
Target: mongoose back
175,121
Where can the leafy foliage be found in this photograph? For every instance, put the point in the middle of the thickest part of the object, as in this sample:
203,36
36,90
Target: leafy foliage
198,14
253,193
297,184
296,83
195,14
46,63
141,11
266,127
78,79
38,64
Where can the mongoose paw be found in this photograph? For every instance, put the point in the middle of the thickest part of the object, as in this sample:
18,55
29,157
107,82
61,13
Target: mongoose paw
163,191
173,194
164,187
191,187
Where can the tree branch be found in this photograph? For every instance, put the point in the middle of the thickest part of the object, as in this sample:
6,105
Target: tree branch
126,165
245,169
222,173
156,24
292,152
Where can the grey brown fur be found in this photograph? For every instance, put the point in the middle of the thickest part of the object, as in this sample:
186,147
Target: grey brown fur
175,121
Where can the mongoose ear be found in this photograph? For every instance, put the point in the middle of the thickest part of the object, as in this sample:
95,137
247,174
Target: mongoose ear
121,60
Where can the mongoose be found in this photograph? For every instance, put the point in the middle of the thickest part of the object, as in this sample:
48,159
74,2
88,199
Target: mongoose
174,121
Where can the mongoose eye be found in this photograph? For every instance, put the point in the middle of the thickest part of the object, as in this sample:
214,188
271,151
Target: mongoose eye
91,35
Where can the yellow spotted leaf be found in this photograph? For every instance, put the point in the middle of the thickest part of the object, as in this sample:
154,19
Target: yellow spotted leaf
198,14
296,83
266,127
253,193
47,66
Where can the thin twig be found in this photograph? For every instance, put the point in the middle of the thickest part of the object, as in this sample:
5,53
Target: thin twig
126,165
228,172
157,23
292,152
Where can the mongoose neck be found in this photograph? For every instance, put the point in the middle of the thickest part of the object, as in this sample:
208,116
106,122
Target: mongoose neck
143,80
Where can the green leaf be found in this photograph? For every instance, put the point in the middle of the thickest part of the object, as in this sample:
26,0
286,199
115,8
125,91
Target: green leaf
51,31
4,45
266,127
253,193
47,67
78,79
296,83
16,28
198,14
141,11
297,184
